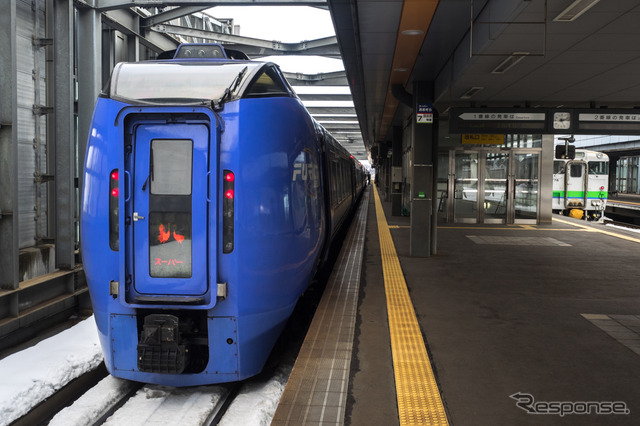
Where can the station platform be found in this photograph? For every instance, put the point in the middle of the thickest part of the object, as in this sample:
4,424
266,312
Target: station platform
625,201
522,324
624,207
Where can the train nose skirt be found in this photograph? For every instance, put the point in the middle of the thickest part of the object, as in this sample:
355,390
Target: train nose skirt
160,350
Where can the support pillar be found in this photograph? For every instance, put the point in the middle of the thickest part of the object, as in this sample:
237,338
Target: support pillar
9,245
396,171
89,77
424,136
545,180
65,136
387,174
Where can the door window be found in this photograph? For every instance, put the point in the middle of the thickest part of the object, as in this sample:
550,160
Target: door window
576,170
170,172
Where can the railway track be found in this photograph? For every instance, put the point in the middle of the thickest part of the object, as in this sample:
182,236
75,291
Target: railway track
622,224
96,398
114,401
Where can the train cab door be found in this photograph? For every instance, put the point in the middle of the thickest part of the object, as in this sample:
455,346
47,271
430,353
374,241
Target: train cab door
575,176
168,252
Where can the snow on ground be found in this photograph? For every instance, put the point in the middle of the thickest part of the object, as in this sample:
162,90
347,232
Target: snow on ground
161,405
30,376
256,403
93,404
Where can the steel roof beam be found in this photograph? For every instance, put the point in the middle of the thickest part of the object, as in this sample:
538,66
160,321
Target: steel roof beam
128,22
324,97
118,4
323,46
330,110
169,15
337,78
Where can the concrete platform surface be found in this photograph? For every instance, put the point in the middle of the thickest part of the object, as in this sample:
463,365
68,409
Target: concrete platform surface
524,324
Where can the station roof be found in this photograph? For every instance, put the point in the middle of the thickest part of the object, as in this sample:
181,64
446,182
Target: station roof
530,53
324,93
474,53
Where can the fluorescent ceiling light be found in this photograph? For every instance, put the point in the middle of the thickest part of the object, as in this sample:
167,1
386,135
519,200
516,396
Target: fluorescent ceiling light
412,32
508,63
574,10
336,122
469,93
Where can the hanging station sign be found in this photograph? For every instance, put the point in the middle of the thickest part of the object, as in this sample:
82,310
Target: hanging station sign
609,122
497,120
594,121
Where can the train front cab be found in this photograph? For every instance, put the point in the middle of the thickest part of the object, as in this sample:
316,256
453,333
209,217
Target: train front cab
160,318
580,185
174,303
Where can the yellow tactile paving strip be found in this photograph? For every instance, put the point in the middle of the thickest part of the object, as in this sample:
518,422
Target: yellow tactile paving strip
419,401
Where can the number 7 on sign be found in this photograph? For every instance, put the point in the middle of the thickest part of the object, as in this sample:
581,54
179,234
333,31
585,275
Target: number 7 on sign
424,118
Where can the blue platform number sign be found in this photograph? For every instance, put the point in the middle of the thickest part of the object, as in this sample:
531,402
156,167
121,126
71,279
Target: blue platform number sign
424,114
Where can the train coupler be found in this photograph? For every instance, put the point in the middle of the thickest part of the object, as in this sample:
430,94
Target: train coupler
159,350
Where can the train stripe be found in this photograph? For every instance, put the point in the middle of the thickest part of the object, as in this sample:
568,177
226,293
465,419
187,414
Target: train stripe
580,194
419,401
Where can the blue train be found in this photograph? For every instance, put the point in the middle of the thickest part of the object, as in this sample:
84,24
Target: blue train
210,198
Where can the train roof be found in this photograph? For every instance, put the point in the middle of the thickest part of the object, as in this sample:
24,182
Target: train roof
202,74
591,155
588,155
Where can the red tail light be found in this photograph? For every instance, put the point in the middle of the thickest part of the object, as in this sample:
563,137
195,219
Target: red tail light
114,224
228,214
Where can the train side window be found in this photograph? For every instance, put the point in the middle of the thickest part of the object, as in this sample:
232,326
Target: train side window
268,83
598,168
558,167
341,181
345,180
576,170
334,183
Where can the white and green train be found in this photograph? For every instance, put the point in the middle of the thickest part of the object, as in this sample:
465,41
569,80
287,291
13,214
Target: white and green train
580,185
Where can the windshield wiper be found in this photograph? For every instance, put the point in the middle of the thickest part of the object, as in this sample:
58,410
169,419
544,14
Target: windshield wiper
236,81
232,87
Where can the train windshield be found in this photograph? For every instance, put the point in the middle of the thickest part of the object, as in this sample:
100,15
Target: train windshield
558,167
598,167
171,82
